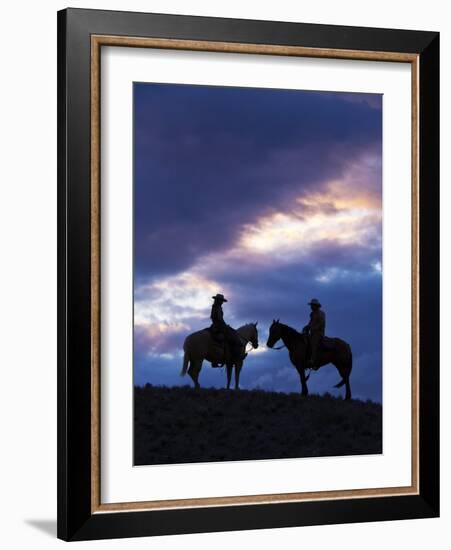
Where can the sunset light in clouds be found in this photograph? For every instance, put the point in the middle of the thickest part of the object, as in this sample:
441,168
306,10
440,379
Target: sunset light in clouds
270,197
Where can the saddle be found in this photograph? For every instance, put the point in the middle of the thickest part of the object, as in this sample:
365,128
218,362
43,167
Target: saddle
217,336
220,340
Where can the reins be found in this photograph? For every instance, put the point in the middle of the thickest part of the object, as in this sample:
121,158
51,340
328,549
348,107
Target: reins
280,347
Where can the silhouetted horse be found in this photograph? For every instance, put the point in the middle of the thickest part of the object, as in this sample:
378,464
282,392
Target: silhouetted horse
339,354
200,346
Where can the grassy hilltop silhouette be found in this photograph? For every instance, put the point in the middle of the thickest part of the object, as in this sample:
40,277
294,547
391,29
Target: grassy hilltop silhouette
181,425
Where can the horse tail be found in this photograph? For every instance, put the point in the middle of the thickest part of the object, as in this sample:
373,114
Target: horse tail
185,364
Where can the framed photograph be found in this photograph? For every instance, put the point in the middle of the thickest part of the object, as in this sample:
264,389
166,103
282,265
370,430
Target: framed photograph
248,274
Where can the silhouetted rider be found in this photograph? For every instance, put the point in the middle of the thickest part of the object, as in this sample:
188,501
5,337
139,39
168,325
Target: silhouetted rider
315,329
217,315
222,331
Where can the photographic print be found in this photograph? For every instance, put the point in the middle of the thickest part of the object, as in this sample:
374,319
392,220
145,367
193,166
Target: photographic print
257,273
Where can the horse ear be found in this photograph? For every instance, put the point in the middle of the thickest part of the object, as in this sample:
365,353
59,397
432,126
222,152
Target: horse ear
256,323
278,320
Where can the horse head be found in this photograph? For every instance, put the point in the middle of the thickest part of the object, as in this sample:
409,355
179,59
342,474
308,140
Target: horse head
253,338
275,333
250,333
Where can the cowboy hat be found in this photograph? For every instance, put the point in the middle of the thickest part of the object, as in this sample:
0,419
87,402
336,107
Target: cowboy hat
314,302
219,297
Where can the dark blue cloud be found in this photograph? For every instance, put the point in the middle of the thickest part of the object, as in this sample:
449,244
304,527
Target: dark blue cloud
208,159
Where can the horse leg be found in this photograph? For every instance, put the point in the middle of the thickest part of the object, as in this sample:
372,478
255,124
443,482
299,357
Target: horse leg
349,369
194,371
344,371
348,389
304,388
237,376
229,374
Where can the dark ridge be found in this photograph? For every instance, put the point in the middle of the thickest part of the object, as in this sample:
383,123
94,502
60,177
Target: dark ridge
181,425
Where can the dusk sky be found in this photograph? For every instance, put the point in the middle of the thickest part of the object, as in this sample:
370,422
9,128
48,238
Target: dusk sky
270,197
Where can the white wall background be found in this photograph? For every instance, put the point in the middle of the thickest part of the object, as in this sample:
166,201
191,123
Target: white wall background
28,272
